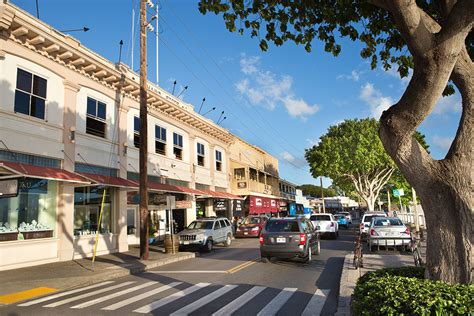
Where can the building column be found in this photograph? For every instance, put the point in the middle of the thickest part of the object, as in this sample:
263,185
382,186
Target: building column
210,207
212,165
121,209
192,160
65,210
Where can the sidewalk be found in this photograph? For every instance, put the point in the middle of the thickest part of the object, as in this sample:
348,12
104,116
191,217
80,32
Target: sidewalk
63,275
372,262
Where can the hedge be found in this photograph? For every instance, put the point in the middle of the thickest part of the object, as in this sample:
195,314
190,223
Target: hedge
403,291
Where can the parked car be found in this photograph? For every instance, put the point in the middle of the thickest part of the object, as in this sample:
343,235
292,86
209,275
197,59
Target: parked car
342,220
205,232
325,224
250,226
365,222
289,237
348,216
388,232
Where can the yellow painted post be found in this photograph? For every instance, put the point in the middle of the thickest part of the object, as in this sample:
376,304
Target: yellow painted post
98,227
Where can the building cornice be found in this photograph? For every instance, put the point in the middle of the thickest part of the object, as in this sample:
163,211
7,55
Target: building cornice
22,28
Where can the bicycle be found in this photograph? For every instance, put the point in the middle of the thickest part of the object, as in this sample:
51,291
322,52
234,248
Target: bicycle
358,257
415,251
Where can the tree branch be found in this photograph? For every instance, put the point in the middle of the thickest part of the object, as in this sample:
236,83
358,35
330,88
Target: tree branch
459,22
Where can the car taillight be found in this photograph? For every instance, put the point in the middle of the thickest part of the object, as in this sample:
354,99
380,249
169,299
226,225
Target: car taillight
302,239
261,239
332,224
373,232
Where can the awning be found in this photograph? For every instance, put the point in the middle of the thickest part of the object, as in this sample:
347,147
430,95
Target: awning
160,187
109,181
262,205
221,195
30,171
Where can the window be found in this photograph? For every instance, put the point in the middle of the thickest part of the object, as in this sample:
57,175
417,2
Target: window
239,174
178,146
30,94
253,174
200,154
87,204
136,131
95,120
218,160
261,177
160,140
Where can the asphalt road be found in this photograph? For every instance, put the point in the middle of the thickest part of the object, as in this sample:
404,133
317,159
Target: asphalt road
227,281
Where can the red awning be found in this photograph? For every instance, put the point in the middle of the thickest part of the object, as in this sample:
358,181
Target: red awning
48,173
160,187
221,195
109,181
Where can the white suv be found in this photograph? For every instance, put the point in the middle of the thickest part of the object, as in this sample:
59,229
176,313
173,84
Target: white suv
205,232
325,224
365,222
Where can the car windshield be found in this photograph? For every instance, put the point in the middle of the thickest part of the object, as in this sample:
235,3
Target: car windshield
282,226
251,220
320,218
201,225
388,222
339,216
368,218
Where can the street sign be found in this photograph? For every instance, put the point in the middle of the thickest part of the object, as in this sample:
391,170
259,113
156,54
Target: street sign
398,192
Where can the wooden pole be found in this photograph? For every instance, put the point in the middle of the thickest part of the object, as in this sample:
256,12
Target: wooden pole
143,137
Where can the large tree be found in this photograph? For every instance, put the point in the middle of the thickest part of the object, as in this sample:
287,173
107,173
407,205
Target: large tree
352,152
434,38
315,191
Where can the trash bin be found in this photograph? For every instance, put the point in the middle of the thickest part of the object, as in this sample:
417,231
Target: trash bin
171,243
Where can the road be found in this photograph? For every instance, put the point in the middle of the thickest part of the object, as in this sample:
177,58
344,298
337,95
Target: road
227,281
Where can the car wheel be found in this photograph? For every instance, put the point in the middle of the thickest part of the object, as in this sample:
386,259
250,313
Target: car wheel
228,241
334,236
208,245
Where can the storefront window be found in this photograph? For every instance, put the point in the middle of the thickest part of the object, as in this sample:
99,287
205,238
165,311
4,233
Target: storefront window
32,214
87,205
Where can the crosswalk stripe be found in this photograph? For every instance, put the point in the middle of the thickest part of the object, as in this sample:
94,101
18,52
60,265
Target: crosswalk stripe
316,303
149,307
204,300
113,295
240,301
141,296
274,306
52,297
76,298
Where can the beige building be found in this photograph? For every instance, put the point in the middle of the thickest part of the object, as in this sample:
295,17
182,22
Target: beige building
69,131
255,177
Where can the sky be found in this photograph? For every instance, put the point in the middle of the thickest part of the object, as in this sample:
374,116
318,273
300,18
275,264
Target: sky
282,100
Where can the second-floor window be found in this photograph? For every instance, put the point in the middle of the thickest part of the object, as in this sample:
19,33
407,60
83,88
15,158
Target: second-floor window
30,94
95,120
239,174
218,160
178,146
160,140
200,154
136,131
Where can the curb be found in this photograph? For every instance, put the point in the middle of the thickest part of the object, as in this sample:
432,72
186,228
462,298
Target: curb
348,281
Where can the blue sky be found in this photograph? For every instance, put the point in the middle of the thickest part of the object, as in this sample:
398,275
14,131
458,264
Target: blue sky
282,100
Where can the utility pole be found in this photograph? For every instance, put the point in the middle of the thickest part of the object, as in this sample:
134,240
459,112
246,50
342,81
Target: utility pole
322,194
143,137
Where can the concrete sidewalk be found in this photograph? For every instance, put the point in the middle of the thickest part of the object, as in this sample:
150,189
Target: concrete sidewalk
64,275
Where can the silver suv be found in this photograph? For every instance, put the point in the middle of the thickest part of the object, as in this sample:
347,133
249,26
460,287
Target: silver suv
205,232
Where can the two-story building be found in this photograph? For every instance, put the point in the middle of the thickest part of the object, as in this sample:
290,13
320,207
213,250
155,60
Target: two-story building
254,177
69,138
287,195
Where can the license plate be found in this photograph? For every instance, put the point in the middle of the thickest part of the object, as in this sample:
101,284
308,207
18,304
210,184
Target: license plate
280,240
185,242
246,233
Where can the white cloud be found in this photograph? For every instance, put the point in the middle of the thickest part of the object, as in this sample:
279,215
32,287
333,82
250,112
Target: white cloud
442,142
447,104
393,72
313,142
354,76
270,90
248,65
287,156
377,102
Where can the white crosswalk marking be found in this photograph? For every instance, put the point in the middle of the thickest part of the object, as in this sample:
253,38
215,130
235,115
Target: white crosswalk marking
240,301
204,300
52,297
141,296
113,295
274,306
149,307
316,303
76,298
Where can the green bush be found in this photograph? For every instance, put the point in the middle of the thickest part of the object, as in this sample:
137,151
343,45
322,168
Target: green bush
403,291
